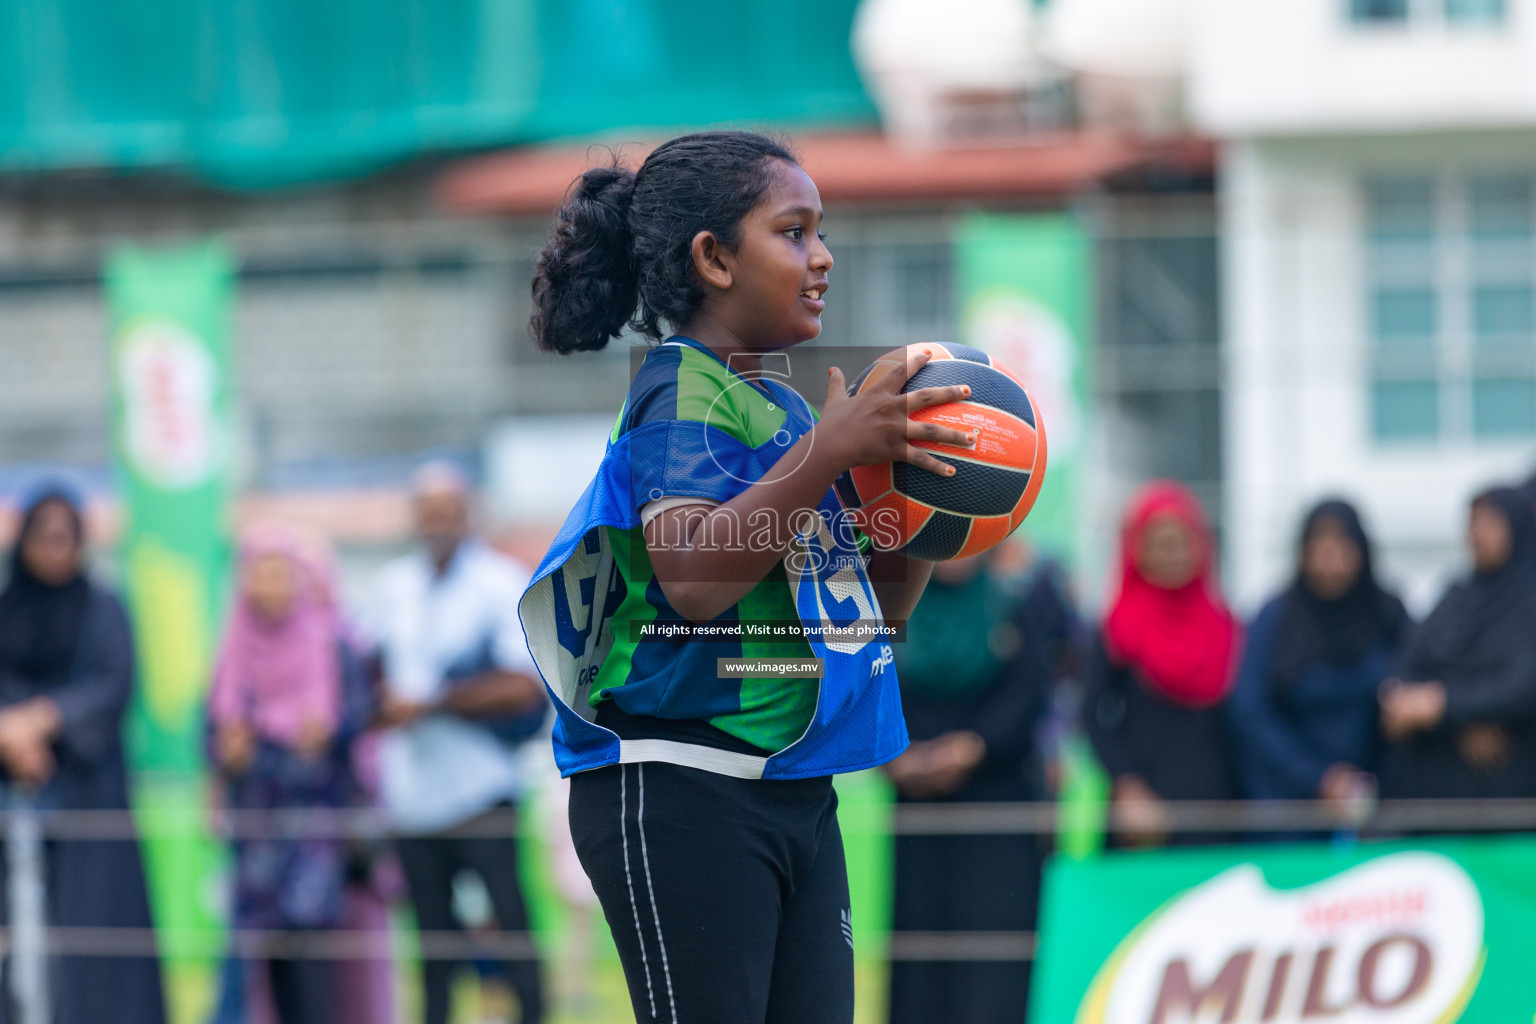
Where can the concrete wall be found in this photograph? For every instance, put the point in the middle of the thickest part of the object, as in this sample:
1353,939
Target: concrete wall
365,323
1288,66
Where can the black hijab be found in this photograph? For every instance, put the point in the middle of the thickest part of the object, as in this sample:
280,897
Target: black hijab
40,623
1495,610
1343,631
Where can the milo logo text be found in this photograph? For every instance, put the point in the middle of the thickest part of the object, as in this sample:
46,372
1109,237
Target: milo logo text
1397,940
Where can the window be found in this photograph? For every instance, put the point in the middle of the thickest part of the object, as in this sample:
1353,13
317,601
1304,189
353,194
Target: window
1450,306
1426,12
1378,10
1405,316
1502,306
1403,238
1474,10
1406,410
1501,311
1504,408
1402,211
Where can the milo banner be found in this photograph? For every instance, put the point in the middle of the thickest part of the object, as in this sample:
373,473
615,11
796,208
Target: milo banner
169,320
1024,285
169,313
1421,933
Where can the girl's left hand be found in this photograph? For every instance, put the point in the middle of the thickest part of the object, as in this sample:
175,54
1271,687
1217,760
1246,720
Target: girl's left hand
1485,747
235,745
395,711
1409,708
956,756
27,756
314,739
937,767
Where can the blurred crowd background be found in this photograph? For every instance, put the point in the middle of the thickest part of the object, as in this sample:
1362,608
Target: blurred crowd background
264,267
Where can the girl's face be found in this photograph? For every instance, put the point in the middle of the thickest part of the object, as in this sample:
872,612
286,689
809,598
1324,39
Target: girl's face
778,270
1165,554
1331,561
1491,538
51,548
270,586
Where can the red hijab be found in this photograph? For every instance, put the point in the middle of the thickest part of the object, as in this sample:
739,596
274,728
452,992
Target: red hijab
1183,642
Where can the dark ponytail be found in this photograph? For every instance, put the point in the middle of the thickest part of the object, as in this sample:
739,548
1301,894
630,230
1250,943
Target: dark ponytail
584,278
621,250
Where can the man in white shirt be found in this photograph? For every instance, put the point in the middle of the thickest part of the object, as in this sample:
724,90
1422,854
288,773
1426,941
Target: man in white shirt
460,691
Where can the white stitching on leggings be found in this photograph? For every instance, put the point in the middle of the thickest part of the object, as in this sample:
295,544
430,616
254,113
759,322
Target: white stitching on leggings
645,858
629,879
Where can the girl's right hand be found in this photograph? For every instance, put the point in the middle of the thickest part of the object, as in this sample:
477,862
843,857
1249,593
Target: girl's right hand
236,748
1410,708
1138,813
314,739
1348,793
874,427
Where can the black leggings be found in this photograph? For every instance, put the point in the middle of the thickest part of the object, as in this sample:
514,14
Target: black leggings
429,863
302,991
727,898
963,884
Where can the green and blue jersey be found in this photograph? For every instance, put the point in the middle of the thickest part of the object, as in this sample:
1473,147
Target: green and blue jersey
686,382
602,631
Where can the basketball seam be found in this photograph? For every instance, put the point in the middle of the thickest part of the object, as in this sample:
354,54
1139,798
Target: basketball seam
970,362
887,493
958,515
970,528
917,537
976,462
981,405
1028,398
987,519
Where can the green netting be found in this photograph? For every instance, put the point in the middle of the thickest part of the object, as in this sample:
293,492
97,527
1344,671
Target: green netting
259,93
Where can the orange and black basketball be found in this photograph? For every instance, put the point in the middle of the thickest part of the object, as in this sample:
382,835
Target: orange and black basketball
900,506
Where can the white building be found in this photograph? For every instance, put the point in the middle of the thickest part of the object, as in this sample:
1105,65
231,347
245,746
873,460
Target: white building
1378,190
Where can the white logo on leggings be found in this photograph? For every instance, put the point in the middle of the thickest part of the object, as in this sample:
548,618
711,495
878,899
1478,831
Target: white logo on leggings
847,919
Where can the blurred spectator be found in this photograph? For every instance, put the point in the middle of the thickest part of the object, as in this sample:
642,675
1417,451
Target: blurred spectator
66,675
975,676
1047,596
1462,717
282,728
460,692
1304,709
1156,674
1049,608
365,989
574,889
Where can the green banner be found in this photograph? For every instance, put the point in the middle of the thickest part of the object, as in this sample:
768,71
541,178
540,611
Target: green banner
1025,282
1427,932
1025,287
169,322
170,370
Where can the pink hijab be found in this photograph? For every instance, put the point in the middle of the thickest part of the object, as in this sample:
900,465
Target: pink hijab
322,575
276,675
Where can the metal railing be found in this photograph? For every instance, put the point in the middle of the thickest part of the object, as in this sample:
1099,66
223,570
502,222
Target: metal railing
30,941
1375,817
